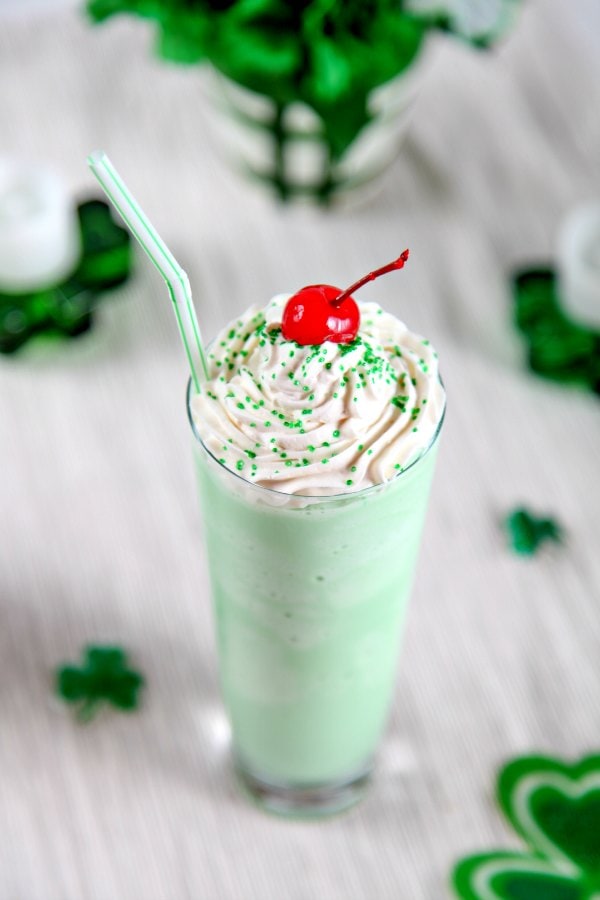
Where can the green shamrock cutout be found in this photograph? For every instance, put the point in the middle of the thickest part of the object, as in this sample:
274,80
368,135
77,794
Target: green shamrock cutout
103,678
555,808
526,532
557,347
66,309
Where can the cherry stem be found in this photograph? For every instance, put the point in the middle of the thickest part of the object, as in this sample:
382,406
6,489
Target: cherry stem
397,264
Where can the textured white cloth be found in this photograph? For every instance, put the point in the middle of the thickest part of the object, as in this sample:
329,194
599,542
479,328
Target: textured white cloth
100,534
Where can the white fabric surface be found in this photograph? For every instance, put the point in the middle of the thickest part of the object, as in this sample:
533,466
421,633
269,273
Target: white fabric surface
100,535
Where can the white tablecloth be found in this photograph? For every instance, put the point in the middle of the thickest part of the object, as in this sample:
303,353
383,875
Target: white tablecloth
100,535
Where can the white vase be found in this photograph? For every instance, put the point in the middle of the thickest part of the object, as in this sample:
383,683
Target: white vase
285,150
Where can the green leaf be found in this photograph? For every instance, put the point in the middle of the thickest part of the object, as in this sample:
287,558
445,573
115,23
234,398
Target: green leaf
331,72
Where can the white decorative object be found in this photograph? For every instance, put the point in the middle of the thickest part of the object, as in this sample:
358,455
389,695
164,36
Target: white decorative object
579,265
39,229
243,129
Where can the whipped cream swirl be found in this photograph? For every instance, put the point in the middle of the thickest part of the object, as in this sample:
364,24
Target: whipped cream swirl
324,419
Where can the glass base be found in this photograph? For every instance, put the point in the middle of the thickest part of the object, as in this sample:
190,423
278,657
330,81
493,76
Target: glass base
302,802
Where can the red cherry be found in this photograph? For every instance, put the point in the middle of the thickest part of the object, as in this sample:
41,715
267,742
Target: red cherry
321,312
311,318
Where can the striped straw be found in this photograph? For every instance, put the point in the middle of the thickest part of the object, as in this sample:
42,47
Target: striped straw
177,280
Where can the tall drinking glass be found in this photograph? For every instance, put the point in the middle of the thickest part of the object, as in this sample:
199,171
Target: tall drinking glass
309,595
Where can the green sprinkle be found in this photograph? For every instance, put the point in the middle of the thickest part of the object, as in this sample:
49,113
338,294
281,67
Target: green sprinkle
353,469
239,465
349,482
336,433
306,412
250,453
241,406
324,460
311,448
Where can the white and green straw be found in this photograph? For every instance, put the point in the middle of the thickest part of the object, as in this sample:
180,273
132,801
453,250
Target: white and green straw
177,280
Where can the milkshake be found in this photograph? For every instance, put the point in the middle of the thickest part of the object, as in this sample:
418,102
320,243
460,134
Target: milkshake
315,424
314,464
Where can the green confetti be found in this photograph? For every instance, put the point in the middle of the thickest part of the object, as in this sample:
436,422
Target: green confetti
102,678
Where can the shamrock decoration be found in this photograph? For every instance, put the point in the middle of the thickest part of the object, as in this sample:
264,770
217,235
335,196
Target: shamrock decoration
66,309
328,56
558,348
526,531
555,808
103,677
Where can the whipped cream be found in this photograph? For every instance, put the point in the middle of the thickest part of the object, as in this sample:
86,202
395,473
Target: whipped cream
318,420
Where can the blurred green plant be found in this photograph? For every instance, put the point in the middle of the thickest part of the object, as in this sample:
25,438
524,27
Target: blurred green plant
326,54
557,347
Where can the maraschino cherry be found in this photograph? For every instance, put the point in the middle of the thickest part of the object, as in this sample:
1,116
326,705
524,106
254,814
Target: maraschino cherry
321,312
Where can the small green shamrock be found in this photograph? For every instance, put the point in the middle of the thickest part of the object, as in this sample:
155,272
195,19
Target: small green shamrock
103,677
526,532
66,309
555,808
557,347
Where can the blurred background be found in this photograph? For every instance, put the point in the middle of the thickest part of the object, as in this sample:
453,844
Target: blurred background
275,145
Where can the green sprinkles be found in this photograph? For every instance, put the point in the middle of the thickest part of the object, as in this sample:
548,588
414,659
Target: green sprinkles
239,465
349,482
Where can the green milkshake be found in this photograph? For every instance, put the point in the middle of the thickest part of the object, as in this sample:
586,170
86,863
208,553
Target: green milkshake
314,464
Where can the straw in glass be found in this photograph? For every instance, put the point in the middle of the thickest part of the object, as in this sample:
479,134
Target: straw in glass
175,277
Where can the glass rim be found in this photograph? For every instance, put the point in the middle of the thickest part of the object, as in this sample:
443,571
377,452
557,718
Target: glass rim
346,495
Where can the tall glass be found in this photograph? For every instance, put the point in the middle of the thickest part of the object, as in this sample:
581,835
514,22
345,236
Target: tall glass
309,595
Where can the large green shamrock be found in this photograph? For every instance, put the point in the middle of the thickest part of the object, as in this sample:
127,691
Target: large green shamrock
557,347
103,678
66,309
555,807
526,532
